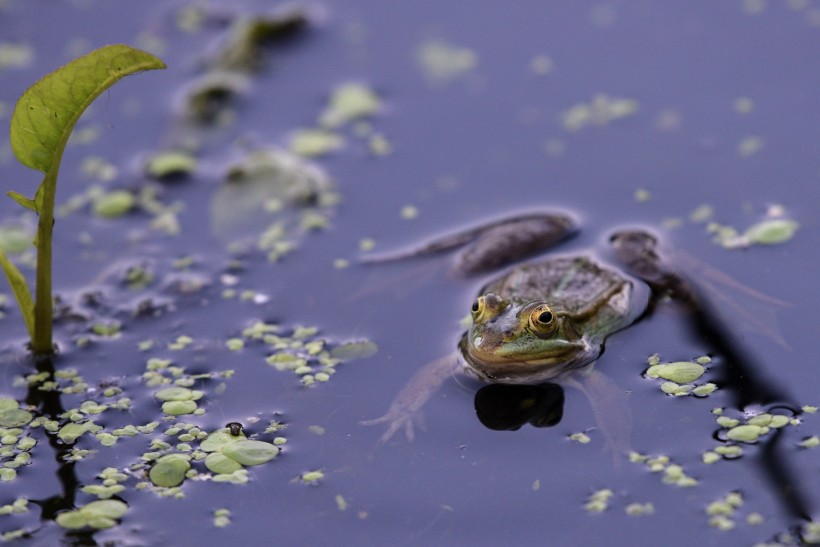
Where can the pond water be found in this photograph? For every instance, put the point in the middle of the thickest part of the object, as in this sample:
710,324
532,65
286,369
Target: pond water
642,113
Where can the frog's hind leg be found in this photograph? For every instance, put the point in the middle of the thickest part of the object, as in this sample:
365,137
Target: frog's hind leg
492,245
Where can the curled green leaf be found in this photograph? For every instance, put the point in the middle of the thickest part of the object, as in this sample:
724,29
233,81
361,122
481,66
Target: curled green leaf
47,111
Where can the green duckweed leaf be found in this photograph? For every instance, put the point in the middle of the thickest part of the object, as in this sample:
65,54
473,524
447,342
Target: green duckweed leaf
7,474
219,439
114,204
251,452
354,350
237,477
772,231
101,491
178,408
69,433
219,463
46,113
746,433
169,164
350,101
101,523
72,520
112,509
681,372
176,394
11,415
169,471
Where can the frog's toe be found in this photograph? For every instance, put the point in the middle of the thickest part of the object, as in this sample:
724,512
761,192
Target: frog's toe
395,421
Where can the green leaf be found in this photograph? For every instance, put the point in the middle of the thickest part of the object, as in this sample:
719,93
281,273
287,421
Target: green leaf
47,111
251,452
20,289
114,204
72,520
112,509
169,471
354,350
175,393
219,439
178,408
23,200
11,415
220,463
681,372
772,231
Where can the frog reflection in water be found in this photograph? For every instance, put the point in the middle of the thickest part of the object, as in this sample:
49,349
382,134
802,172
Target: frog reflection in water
543,321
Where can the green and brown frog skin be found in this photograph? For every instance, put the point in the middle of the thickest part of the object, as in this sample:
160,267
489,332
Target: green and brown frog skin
546,320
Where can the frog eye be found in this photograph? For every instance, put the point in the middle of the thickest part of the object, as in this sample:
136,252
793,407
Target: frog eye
542,319
486,306
479,305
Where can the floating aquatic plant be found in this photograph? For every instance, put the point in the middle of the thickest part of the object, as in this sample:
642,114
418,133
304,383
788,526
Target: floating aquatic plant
41,124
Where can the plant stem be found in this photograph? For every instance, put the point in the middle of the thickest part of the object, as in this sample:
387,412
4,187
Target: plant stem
41,343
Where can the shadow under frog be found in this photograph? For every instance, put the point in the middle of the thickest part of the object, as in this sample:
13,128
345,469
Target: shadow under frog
546,321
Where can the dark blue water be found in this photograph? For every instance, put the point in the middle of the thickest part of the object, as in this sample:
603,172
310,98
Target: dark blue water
464,150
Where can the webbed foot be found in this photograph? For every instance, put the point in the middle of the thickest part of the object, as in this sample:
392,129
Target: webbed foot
398,417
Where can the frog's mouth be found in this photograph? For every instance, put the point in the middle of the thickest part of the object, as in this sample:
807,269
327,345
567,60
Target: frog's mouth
536,367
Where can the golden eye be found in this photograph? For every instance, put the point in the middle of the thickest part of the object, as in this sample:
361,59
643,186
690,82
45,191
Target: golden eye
478,307
542,319
487,306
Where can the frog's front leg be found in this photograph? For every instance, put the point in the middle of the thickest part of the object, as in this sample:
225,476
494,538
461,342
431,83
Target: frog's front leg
610,405
406,407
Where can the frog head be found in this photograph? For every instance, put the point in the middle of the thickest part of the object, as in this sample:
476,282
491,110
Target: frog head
522,342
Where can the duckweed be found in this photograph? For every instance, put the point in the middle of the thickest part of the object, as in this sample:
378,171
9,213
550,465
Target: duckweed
97,514
350,101
11,415
601,110
746,433
672,474
598,501
679,376
315,142
639,509
721,512
681,372
222,518
220,463
774,230
237,477
312,477
114,204
169,164
170,470
443,62
18,506
179,408
810,442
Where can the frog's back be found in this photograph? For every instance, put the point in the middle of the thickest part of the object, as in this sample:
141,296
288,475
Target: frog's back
571,282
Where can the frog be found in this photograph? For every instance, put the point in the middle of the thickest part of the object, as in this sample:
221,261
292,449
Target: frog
547,320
